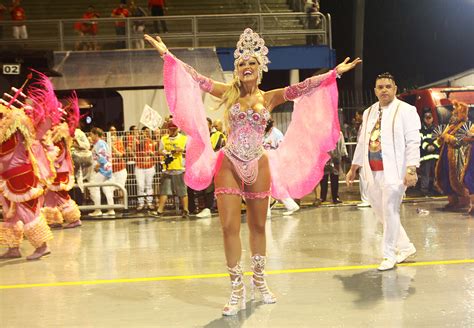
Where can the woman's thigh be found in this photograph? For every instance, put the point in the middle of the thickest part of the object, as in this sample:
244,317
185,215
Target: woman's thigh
228,194
257,195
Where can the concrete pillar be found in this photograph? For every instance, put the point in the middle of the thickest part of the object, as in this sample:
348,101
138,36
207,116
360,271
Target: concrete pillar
294,76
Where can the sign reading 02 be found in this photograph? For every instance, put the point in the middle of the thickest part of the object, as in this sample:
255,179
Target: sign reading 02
11,69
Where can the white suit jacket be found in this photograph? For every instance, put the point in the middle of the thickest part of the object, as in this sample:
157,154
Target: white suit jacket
400,138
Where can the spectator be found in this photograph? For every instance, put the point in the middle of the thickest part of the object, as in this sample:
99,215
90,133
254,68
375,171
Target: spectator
120,12
138,25
219,126
157,9
18,16
82,159
429,153
3,9
355,126
217,142
354,136
102,171
88,30
145,169
132,141
271,140
172,147
332,169
313,22
119,169
81,156
218,138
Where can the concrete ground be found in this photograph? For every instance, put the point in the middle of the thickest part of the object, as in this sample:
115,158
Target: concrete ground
170,272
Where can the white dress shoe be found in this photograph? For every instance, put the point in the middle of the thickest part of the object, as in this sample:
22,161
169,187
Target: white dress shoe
363,204
293,210
387,264
205,213
406,253
96,213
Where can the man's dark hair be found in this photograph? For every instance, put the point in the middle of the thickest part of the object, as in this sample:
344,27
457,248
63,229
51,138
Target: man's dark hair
386,75
132,127
209,120
97,131
269,125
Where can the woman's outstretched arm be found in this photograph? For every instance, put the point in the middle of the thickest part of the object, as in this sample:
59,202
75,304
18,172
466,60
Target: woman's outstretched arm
206,84
278,96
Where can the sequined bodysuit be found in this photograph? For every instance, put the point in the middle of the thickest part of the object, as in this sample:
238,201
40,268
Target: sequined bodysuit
244,147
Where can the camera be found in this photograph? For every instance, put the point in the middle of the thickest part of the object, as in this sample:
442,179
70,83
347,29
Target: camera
167,160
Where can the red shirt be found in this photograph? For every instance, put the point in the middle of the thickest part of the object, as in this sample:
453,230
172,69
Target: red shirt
86,27
118,151
120,11
145,154
18,13
160,3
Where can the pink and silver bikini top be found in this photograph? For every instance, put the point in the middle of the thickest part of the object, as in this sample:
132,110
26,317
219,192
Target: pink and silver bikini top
247,129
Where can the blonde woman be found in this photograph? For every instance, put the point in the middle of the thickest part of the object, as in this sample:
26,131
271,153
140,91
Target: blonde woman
242,167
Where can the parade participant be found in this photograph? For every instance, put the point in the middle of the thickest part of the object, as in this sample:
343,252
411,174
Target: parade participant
242,167
388,167
468,171
59,207
452,160
24,169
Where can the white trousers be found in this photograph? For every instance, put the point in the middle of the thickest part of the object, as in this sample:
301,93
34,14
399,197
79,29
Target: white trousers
145,184
20,32
385,200
120,177
363,189
95,191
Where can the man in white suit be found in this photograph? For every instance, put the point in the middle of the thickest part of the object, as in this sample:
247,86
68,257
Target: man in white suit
388,153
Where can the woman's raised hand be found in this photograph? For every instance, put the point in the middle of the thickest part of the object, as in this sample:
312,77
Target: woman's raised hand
347,66
157,44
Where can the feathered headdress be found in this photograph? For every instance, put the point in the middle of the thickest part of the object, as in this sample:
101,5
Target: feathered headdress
45,103
72,112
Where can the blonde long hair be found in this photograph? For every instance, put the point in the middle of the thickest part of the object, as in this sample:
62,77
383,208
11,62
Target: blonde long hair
232,95
229,98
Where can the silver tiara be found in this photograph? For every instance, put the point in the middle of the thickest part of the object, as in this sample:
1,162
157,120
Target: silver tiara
250,45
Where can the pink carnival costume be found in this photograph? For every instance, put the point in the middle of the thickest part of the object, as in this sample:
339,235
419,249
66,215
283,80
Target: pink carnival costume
58,205
314,116
57,141
24,169
314,130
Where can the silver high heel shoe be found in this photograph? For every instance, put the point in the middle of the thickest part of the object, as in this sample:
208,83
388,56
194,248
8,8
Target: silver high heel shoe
237,297
258,280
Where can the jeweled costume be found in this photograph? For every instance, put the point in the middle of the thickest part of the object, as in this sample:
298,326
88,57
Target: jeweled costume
314,131
244,146
452,160
21,179
468,170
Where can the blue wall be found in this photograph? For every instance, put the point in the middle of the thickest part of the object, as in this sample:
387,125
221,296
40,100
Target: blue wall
285,58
